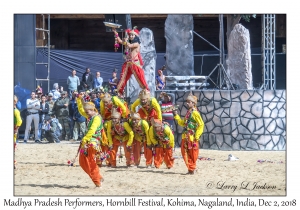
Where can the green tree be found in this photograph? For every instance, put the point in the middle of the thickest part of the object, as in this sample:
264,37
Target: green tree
233,19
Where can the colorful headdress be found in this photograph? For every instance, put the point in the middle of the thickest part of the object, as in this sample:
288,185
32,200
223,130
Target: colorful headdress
144,94
133,31
135,116
90,106
106,97
115,114
156,122
192,98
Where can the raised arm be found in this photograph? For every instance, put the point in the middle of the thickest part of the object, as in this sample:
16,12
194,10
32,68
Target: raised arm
80,107
135,104
130,133
119,103
156,106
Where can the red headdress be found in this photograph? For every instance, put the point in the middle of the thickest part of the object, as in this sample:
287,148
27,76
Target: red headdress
133,31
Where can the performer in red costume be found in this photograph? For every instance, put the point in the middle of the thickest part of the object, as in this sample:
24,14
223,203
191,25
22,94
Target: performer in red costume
133,60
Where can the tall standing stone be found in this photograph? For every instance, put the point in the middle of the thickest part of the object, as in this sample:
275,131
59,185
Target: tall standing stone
239,57
179,45
148,54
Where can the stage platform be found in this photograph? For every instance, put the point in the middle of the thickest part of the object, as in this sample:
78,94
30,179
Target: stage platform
237,119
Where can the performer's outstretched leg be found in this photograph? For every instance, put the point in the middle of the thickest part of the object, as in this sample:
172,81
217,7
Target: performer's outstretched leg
124,77
139,75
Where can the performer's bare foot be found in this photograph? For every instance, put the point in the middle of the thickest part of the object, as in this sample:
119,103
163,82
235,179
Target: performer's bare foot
101,181
190,172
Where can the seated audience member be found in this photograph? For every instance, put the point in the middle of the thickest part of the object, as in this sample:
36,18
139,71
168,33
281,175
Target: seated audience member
52,129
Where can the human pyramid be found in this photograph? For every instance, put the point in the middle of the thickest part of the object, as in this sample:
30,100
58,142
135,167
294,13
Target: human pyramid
137,129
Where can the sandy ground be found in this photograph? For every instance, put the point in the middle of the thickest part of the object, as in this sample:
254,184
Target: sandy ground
42,169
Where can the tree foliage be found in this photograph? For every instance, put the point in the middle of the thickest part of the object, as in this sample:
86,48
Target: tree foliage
247,17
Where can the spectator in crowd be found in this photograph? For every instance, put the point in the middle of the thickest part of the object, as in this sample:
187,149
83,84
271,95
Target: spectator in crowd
61,110
39,95
79,123
52,130
73,82
72,107
95,100
55,92
33,107
43,112
166,108
87,80
160,80
98,81
38,88
113,82
50,102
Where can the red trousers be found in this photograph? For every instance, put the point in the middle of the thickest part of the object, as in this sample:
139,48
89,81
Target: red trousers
136,149
128,69
190,156
113,153
163,155
148,155
89,165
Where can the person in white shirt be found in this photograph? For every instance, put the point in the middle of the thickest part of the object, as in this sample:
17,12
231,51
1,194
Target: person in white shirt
98,80
73,82
33,107
55,92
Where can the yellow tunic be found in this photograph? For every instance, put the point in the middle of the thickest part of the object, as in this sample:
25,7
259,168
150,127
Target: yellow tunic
17,121
197,131
128,136
145,128
167,135
97,121
116,102
153,103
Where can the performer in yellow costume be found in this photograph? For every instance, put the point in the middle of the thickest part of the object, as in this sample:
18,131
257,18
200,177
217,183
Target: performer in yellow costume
141,138
90,150
162,138
17,123
150,108
109,102
119,134
193,128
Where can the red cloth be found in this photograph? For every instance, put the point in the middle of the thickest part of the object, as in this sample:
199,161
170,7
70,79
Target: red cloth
128,69
148,116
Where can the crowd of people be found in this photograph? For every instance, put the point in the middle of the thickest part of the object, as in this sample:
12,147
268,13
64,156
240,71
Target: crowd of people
107,122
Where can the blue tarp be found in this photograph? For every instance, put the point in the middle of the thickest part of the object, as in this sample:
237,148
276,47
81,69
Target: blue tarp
63,61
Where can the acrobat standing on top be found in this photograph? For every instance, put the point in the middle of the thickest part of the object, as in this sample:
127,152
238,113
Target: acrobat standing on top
133,60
